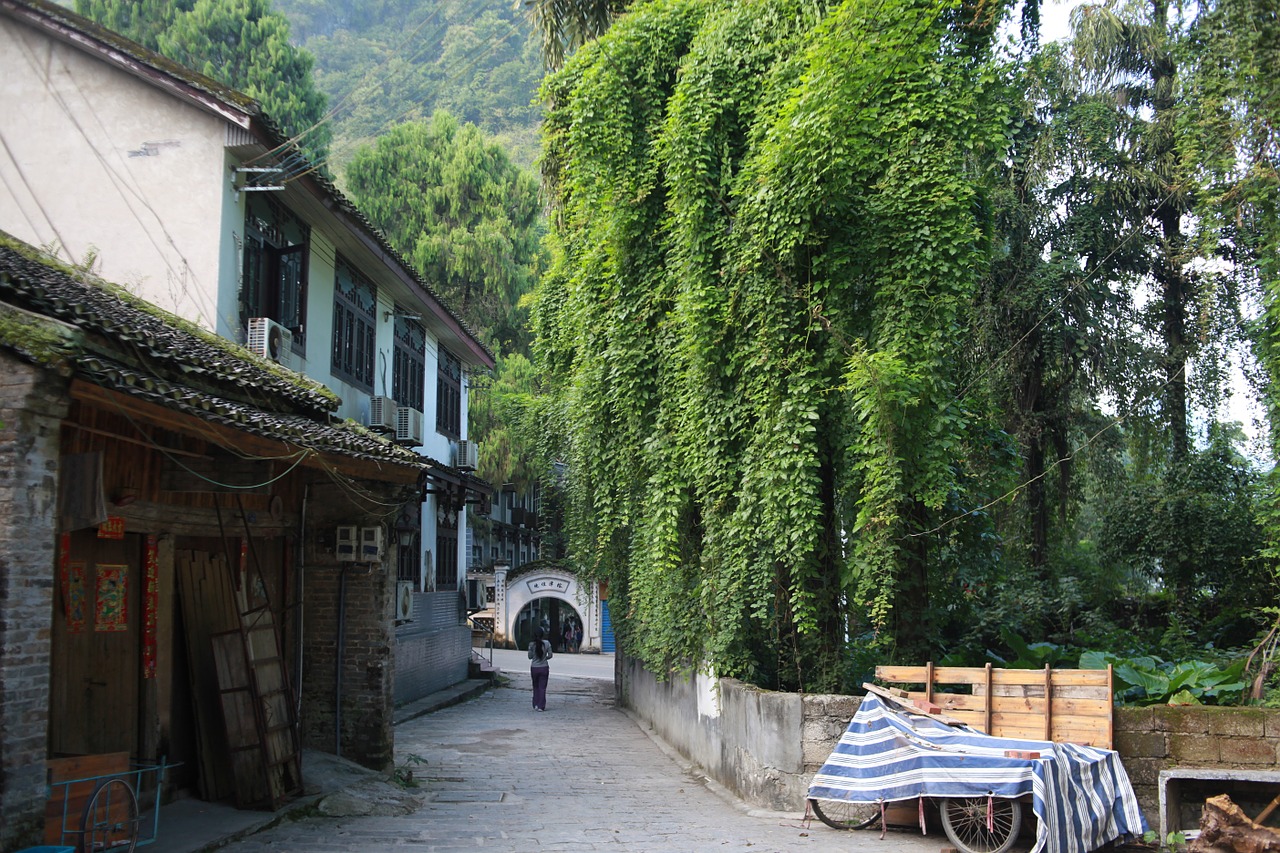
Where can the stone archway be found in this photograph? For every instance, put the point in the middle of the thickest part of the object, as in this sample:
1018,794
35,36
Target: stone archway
513,590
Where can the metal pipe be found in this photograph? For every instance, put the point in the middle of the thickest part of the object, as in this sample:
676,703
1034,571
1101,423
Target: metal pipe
342,642
299,602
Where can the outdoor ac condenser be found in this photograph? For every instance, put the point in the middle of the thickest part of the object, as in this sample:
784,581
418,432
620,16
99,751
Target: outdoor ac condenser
408,425
270,340
468,454
382,414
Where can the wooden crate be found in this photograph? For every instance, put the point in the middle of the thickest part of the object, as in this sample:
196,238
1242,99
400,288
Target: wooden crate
1065,705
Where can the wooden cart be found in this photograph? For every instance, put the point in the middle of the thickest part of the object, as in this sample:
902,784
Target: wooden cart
94,802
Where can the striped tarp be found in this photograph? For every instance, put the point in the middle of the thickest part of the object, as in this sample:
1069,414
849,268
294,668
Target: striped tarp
1081,795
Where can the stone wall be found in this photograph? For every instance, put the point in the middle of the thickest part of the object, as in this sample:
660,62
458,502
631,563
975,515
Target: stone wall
1160,737
32,405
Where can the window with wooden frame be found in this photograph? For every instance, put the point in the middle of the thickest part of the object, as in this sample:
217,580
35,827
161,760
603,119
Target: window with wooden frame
355,303
409,368
446,549
449,395
274,280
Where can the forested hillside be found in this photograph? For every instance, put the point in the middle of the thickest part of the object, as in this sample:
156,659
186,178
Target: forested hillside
387,61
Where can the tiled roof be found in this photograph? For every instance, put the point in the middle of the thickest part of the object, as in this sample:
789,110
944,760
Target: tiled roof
273,137
132,348
37,284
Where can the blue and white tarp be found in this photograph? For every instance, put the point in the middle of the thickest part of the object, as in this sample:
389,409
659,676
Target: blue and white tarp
1081,795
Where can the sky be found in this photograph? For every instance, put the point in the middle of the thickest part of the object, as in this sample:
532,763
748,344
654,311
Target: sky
1055,23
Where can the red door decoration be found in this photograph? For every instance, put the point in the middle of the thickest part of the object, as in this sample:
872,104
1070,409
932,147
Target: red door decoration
150,606
112,611
77,598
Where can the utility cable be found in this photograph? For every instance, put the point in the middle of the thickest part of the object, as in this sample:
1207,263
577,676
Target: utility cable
456,72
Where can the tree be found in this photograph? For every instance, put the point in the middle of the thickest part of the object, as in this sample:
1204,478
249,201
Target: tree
392,61
563,26
768,225
243,44
504,416
140,20
466,217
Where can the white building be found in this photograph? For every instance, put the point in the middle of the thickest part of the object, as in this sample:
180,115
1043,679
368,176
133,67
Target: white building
184,191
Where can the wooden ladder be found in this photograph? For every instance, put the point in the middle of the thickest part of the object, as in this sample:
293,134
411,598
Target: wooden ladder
258,711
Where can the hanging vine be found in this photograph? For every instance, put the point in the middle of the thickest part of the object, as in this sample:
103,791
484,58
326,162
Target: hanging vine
768,216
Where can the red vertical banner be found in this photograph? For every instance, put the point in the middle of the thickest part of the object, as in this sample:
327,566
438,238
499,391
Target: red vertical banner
64,572
150,606
77,597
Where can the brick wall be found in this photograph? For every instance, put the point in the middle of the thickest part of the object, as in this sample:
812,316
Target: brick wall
32,404
363,612
368,669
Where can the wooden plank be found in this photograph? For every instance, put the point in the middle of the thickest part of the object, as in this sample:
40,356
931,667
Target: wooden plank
1013,703
901,702
203,592
70,800
278,731
974,675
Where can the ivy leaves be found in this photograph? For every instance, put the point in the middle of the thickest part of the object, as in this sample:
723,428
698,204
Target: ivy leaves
765,232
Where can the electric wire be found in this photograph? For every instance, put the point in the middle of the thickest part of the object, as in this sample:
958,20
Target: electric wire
301,456
457,72
333,111
31,192
1049,469
119,183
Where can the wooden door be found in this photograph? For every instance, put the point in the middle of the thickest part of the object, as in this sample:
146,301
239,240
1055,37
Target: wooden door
96,664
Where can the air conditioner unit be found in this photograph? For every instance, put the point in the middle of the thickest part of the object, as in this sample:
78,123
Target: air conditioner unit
382,413
468,455
370,544
347,548
271,340
409,425
404,601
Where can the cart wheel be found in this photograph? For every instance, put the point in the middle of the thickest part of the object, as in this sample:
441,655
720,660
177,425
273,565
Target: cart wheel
838,814
110,819
965,822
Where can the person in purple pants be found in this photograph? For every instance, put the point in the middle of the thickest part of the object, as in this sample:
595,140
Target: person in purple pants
539,668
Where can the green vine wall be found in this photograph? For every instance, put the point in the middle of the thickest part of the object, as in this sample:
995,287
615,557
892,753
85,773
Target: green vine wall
768,217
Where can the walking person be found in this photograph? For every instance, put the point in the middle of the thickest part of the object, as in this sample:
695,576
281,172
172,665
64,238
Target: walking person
539,669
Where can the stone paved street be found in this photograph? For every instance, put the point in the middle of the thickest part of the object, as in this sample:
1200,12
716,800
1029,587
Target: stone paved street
583,776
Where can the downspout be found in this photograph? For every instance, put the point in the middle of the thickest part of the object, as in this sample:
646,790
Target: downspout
337,677
298,592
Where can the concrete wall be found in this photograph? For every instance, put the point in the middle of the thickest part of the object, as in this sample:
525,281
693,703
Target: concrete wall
745,738
765,746
113,167
32,403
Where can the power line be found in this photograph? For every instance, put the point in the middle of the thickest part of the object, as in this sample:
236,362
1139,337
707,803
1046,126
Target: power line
332,112
454,73
118,183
